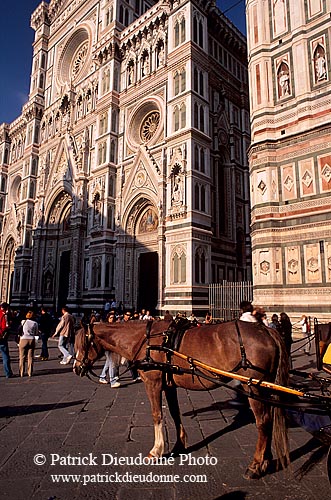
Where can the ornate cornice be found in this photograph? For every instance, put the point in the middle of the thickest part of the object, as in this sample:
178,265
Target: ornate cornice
40,16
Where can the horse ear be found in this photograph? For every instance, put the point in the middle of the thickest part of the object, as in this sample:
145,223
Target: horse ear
90,332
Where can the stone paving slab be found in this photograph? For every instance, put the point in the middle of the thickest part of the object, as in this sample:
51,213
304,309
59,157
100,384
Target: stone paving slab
56,414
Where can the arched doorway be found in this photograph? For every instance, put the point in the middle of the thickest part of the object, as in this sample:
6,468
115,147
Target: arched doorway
148,272
58,253
8,271
142,263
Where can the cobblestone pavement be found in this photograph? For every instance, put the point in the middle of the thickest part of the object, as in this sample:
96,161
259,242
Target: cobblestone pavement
56,414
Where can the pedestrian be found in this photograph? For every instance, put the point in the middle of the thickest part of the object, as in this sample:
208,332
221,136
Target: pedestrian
305,328
45,328
111,318
246,309
274,322
27,343
208,318
168,316
4,333
111,367
260,315
286,333
106,309
147,316
193,319
142,314
66,332
126,317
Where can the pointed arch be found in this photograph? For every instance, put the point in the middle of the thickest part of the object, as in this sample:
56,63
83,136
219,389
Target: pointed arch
7,268
178,265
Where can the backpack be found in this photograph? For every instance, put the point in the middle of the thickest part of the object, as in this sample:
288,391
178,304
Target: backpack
4,331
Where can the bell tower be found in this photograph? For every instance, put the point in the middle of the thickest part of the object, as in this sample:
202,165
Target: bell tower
290,154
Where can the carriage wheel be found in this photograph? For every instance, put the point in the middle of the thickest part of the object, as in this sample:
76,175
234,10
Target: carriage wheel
328,464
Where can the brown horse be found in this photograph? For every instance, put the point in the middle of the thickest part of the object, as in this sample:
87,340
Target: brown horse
215,345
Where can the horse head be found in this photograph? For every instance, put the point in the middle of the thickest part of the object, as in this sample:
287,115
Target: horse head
87,349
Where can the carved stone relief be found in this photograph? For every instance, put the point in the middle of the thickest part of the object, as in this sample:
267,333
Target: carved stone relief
324,164
288,181
307,177
312,263
293,267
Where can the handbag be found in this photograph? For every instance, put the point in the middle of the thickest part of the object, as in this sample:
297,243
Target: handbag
19,333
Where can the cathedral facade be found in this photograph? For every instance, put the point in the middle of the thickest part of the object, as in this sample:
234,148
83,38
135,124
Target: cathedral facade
126,175
290,156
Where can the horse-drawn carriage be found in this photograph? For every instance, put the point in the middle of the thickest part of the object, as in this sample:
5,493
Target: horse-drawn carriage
171,355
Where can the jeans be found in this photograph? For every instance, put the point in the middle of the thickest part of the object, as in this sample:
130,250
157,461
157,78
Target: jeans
62,346
44,347
111,365
6,359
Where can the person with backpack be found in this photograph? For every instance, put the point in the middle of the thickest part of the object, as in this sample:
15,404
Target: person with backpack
4,333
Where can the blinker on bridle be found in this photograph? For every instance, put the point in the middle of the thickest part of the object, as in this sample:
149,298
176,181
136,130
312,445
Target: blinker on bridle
84,369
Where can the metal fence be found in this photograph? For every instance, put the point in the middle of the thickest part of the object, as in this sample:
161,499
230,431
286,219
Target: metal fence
224,298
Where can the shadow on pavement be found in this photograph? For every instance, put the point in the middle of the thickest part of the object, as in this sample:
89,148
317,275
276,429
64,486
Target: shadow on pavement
14,411
318,453
242,408
242,419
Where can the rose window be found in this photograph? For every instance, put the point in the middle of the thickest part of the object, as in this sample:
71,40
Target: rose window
79,59
149,126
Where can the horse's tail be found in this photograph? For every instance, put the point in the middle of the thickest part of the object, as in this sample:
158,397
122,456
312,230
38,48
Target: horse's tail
280,434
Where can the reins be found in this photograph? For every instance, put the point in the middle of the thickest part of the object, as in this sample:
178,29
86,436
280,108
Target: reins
86,368
320,404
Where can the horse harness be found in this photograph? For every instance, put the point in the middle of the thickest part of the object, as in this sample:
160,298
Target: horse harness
173,337
313,403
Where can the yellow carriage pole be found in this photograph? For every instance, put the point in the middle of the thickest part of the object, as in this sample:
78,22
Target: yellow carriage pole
241,378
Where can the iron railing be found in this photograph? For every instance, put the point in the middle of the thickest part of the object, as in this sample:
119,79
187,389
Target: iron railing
225,298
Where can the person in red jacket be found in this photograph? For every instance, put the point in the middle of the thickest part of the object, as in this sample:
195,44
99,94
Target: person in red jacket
4,332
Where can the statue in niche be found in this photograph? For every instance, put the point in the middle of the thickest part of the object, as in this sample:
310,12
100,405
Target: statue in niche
97,211
42,178
177,192
320,65
145,65
160,56
48,283
284,88
130,74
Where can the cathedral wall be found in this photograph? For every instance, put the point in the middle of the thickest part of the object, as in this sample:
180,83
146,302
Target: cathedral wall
290,156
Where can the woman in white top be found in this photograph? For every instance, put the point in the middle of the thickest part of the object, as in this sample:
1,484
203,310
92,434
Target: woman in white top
27,343
147,316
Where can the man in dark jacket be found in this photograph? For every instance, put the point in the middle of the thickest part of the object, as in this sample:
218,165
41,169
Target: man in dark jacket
45,327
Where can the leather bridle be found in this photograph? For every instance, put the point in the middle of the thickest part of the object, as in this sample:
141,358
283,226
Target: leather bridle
84,367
